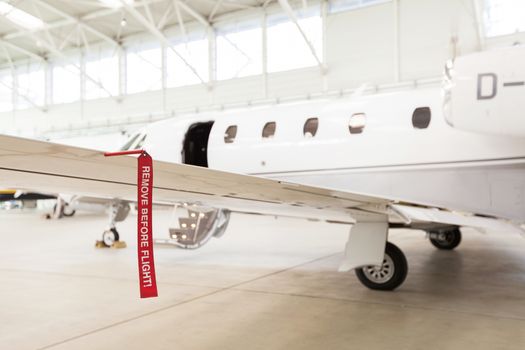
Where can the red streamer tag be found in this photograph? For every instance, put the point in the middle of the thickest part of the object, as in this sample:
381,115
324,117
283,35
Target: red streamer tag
147,278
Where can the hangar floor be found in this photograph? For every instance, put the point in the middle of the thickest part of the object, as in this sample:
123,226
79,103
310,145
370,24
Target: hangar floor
268,284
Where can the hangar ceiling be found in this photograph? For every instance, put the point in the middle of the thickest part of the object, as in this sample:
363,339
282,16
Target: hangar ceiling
37,28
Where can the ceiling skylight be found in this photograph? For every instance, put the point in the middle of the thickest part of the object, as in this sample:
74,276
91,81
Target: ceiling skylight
19,17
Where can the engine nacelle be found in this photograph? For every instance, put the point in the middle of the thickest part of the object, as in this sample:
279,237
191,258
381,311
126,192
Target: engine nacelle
485,92
198,226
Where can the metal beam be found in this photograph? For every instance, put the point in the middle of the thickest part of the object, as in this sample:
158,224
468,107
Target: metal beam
232,4
212,55
180,20
266,3
8,56
22,50
264,52
324,35
193,13
73,20
46,30
289,11
397,43
15,90
215,9
81,72
480,29
158,34
65,41
165,17
83,25
305,4
148,13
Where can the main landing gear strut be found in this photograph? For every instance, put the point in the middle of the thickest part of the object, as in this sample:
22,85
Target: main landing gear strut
394,268
378,264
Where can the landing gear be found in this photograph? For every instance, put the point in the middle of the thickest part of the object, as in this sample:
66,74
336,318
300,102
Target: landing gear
118,212
110,236
445,239
67,211
61,209
390,275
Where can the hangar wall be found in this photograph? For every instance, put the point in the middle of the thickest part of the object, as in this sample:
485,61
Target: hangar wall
388,43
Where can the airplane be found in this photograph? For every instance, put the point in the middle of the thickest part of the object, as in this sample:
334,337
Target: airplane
408,159
27,199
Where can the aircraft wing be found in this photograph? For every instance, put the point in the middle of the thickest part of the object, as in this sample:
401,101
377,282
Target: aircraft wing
54,168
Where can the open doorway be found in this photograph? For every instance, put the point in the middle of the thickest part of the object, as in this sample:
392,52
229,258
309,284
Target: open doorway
195,150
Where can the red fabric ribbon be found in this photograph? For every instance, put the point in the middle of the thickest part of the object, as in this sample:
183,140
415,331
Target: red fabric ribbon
146,264
148,281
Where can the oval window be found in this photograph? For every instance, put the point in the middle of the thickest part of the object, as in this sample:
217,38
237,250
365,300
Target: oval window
310,127
421,118
229,135
269,130
357,123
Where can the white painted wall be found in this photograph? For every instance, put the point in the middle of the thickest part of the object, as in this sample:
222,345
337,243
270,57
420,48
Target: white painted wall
360,48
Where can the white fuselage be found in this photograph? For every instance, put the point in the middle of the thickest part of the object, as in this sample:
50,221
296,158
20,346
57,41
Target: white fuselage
436,166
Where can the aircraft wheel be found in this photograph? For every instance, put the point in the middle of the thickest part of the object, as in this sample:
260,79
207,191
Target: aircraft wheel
446,240
67,211
110,236
390,275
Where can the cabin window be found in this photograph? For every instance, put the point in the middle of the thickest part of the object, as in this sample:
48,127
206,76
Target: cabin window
421,118
357,123
229,135
269,130
310,127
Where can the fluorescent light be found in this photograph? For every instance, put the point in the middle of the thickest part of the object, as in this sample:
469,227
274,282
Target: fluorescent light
116,3
20,17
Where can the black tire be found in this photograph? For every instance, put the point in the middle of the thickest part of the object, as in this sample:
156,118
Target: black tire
390,275
445,240
110,236
67,212
64,211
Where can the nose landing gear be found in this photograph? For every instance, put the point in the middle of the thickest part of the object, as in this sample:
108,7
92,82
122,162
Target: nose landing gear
110,237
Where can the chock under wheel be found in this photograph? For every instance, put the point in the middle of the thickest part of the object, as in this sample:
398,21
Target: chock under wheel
115,245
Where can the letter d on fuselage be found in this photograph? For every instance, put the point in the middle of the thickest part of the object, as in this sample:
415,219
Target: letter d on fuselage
487,86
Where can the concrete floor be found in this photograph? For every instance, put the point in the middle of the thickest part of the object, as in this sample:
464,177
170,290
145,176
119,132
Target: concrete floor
268,284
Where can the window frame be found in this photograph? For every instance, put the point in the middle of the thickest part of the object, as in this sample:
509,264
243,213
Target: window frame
229,138
421,124
359,129
268,127
306,125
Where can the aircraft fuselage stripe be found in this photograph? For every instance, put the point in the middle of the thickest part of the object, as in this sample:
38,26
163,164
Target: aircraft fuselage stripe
514,83
386,166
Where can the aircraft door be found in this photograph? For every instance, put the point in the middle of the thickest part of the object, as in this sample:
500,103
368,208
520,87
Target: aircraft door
195,148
